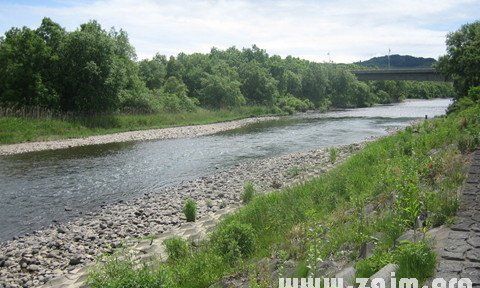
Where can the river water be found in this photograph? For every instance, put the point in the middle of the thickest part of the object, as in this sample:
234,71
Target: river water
41,187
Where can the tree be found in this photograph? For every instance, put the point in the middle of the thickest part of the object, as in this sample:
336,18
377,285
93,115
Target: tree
153,71
291,83
25,69
220,92
94,70
315,84
257,84
462,61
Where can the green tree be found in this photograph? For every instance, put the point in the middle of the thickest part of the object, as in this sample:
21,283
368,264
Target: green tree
25,69
96,67
220,92
153,71
462,61
257,84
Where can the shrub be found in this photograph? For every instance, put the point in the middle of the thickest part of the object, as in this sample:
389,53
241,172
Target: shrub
235,241
415,260
369,266
290,104
190,210
248,192
176,248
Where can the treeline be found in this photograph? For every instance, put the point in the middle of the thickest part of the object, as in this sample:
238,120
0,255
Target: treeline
92,70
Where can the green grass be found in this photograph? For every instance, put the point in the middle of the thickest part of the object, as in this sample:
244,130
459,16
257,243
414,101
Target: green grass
415,171
17,130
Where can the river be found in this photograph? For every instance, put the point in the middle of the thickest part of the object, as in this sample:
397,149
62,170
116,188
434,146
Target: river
41,187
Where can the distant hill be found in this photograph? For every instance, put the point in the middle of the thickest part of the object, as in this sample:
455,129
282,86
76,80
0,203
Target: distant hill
398,61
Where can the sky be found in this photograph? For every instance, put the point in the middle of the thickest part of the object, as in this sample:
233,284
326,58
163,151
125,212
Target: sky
338,31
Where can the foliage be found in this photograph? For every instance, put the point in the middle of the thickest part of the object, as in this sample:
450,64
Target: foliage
90,70
248,192
462,62
190,210
415,260
220,92
123,274
234,241
290,104
369,266
176,248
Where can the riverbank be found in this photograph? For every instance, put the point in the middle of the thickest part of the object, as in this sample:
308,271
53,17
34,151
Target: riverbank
351,221
140,135
24,129
34,259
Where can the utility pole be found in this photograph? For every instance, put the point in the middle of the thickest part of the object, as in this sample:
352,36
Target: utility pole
389,58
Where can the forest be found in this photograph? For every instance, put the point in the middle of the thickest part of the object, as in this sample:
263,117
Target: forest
91,70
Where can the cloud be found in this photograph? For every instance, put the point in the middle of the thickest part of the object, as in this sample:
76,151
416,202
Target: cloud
347,30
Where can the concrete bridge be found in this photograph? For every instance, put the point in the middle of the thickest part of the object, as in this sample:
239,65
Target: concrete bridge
418,74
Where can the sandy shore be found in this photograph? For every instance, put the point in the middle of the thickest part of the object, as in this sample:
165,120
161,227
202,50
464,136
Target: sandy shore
34,259
165,133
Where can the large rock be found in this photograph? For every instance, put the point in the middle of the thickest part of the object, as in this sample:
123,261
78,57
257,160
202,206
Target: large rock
385,273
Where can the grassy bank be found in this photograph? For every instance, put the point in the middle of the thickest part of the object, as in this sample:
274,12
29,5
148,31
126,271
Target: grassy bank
373,198
18,129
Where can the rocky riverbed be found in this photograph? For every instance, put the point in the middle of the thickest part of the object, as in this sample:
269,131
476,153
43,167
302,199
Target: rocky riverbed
32,260
142,135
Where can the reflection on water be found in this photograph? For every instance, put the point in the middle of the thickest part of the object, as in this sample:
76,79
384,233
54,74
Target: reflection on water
37,187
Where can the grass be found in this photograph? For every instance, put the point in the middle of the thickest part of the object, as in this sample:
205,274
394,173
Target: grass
17,129
416,171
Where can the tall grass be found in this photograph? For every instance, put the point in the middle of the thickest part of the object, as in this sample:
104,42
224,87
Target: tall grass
326,218
24,129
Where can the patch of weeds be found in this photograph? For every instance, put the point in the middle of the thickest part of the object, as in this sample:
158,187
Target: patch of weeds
176,248
234,241
332,154
415,260
248,192
293,171
369,266
190,210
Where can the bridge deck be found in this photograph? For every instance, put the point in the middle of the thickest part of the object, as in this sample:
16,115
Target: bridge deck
423,74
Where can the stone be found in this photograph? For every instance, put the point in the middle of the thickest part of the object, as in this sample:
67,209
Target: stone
462,225
473,255
474,241
385,273
348,276
75,260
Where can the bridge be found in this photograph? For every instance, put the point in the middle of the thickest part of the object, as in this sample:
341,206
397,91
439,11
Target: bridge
418,74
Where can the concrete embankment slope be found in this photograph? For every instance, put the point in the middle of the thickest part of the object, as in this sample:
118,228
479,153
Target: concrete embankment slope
460,255
164,133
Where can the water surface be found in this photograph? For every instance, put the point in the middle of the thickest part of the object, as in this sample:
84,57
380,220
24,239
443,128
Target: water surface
35,188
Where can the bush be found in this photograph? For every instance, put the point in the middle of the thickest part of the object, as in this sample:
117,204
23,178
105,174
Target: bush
234,241
190,210
248,192
176,248
368,267
415,260
290,104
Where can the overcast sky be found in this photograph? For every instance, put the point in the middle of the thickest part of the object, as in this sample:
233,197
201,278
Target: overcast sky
348,31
